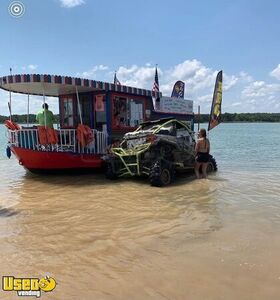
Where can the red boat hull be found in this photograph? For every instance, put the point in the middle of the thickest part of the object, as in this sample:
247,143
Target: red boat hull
44,160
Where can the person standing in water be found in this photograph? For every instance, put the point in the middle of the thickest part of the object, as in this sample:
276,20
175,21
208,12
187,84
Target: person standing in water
49,116
202,150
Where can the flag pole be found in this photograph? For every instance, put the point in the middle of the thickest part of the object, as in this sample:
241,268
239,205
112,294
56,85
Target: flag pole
198,118
10,103
79,107
27,119
44,101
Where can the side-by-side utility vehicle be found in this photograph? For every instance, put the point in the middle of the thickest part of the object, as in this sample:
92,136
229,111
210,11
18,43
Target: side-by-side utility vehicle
156,149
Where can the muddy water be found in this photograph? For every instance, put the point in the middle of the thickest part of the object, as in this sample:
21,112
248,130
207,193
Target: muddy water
197,239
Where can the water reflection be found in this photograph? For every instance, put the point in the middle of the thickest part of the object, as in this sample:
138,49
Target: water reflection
207,239
88,216
117,239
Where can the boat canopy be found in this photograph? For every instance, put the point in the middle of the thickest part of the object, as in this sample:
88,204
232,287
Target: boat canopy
55,85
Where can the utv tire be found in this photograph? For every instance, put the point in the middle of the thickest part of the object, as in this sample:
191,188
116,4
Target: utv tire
109,173
161,174
166,152
212,165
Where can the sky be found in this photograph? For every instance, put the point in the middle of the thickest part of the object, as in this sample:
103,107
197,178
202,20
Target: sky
189,40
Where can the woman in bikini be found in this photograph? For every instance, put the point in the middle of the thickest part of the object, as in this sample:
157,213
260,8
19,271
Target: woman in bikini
202,150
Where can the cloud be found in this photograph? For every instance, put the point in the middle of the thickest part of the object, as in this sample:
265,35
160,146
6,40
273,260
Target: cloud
193,72
229,81
141,77
19,103
276,72
71,3
199,80
32,67
189,69
245,77
205,98
236,103
196,75
260,89
260,96
241,92
92,72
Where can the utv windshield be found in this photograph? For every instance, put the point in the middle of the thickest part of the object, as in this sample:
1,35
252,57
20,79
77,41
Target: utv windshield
167,128
148,127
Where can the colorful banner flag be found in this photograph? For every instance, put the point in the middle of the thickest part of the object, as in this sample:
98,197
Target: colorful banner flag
156,83
216,109
178,90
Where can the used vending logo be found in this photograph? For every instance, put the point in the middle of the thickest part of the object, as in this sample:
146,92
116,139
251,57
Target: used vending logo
28,286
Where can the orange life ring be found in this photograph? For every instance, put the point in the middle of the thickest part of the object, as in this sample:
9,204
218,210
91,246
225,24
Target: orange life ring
42,135
52,136
84,135
47,135
11,125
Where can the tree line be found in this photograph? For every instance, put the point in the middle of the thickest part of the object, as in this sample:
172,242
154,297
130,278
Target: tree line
241,117
22,119
202,118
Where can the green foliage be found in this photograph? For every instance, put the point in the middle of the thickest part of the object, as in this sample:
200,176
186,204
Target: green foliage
22,119
203,118
242,117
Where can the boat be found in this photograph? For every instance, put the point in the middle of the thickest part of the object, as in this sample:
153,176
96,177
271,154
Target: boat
109,110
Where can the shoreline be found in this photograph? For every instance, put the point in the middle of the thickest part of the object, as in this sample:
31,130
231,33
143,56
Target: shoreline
202,118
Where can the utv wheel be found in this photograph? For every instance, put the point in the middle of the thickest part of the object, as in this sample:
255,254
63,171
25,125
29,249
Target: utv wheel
161,174
212,165
166,152
109,173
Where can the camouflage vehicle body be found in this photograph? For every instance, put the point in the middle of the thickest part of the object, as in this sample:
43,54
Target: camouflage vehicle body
156,149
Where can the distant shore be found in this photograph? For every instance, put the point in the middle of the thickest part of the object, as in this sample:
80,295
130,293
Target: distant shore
242,117
202,118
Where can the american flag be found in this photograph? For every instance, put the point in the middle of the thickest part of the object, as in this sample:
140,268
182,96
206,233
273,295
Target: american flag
156,83
116,80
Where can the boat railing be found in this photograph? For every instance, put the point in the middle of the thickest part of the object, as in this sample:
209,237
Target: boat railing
28,138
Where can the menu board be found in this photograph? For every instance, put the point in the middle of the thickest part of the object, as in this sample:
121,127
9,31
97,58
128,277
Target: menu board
136,113
174,105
